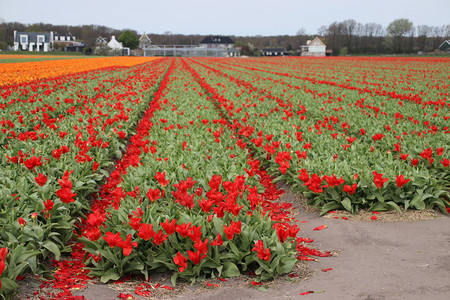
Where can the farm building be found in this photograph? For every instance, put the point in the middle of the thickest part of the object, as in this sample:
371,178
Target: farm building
117,47
75,47
314,48
45,41
216,46
63,38
101,41
33,41
67,42
272,52
114,44
220,42
144,41
445,46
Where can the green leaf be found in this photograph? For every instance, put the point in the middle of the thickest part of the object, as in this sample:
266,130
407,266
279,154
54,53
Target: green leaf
347,204
287,264
329,206
417,202
394,206
111,274
379,194
406,203
26,254
277,179
118,154
218,225
173,279
230,270
333,194
133,266
8,286
275,263
234,248
50,246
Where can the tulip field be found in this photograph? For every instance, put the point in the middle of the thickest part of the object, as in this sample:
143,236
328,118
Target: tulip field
142,165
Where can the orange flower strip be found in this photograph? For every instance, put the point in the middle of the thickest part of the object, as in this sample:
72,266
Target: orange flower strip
15,73
26,56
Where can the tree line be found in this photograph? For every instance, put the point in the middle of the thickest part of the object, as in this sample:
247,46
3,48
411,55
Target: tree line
400,36
343,38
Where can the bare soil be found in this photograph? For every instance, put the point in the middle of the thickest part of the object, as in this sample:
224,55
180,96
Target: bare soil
396,256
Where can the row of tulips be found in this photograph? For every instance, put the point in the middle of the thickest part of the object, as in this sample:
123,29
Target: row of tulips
58,138
188,198
330,149
25,72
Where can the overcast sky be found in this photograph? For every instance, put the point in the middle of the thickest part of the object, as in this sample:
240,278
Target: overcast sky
228,17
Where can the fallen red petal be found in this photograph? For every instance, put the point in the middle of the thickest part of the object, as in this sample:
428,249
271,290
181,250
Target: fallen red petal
167,287
307,293
125,296
322,227
212,284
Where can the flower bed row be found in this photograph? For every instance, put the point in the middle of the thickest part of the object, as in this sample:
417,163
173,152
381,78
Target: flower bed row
57,144
188,199
339,157
25,72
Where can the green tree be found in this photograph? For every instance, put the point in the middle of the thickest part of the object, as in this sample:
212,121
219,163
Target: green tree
398,29
129,39
36,27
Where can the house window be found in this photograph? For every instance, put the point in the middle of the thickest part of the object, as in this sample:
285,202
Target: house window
23,39
40,39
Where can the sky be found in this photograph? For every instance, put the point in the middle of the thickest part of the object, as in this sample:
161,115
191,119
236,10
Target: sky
228,17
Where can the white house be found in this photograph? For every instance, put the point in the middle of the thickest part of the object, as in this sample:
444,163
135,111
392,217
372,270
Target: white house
114,44
33,41
314,48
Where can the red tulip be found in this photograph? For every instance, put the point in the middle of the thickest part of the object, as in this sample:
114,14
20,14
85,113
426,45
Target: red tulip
181,261
401,181
41,179
378,179
22,222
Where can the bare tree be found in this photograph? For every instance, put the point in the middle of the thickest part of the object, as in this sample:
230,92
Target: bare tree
301,32
423,32
349,28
